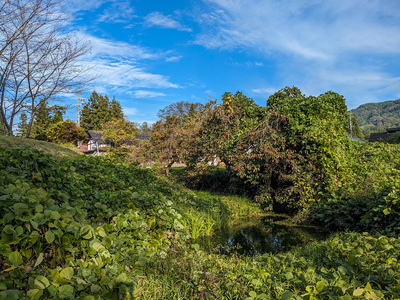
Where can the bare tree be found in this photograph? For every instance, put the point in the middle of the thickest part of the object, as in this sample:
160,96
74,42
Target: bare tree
38,61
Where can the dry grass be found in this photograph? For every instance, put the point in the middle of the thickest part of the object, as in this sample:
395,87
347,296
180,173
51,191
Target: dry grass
54,149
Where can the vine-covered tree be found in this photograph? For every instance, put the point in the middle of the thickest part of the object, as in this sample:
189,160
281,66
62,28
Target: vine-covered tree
356,129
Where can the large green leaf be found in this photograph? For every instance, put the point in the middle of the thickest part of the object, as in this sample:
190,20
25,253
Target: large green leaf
287,295
86,232
66,291
16,258
49,235
41,282
67,273
35,294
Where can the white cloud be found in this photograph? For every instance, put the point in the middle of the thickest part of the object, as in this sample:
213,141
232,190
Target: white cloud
117,49
265,91
121,66
157,19
78,5
350,47
248,64
125,75
147,94
173,58
118,12
130,111
313,29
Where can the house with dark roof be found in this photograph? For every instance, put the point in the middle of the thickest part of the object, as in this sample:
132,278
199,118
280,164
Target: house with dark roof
96,143
382,136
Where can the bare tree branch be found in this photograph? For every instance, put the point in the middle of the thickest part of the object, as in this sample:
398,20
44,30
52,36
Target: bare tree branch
37,60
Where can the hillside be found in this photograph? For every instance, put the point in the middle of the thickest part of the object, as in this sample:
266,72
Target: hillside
376,117
50,148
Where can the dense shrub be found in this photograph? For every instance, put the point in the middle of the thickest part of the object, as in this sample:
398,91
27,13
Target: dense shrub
367,197
79,227
65,132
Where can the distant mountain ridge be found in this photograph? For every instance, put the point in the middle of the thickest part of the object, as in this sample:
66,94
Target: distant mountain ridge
376,117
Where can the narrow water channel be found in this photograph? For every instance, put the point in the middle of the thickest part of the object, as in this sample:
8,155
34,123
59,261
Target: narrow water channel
269,234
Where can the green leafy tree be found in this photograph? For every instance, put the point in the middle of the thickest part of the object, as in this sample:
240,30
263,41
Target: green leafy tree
120,132
46,117
23,125
173,137
289,154
99,110
144,128
316,133
65,132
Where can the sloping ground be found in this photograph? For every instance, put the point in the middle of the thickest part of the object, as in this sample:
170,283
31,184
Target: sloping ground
51,148
90,227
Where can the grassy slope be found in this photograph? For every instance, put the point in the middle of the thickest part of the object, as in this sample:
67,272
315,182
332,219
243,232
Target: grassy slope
51,148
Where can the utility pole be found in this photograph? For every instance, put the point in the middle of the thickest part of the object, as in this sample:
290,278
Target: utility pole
79,108
80,102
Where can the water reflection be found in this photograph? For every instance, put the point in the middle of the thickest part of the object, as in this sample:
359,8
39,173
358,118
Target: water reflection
260,236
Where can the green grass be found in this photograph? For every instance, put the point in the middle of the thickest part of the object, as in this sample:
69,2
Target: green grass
57,151
345,266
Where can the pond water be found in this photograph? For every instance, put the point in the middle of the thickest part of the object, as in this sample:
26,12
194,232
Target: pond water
267,234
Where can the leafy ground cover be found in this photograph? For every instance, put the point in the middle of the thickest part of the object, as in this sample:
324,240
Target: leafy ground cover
87,226
367,197
345,266
96,228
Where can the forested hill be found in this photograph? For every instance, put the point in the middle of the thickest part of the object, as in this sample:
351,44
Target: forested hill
375,117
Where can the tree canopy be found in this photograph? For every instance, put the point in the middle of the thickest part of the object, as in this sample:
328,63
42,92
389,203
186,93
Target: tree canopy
46,117
288,153
99,110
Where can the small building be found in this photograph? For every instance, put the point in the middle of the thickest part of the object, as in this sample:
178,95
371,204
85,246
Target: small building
382,136
96,143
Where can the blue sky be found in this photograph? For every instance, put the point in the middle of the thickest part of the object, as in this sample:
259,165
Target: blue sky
149,54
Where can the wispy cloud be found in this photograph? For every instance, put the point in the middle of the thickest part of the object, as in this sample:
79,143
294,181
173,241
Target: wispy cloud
312,29
118,49
265,91
173,58
118,12
122,66
147,94
124,75
352,47
78,5
248,64
157,19
131,111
